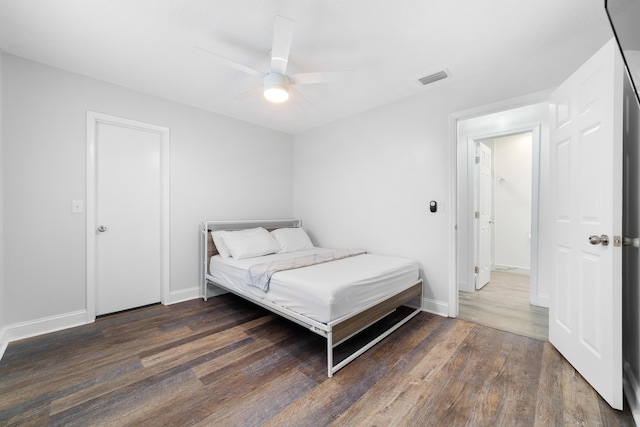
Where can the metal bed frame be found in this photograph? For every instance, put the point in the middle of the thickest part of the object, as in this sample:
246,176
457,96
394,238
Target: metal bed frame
336,332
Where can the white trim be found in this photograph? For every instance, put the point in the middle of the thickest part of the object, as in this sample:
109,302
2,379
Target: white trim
45,325
183,295
504,105
452,306
632,392
165,276
4,342
534,290
497,107
436,307
511,269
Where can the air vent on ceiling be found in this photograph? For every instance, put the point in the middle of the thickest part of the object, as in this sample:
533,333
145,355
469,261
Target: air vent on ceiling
433,77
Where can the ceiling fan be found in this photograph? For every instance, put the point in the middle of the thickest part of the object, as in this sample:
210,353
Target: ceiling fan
277,85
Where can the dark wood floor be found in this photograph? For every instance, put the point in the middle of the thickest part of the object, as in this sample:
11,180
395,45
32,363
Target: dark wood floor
225,362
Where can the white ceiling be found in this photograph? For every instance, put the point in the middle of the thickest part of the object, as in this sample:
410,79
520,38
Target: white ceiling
149,45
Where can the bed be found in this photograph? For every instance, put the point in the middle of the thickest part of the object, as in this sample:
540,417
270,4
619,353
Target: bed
335,294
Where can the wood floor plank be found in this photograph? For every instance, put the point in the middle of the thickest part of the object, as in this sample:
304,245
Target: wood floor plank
193,348
263,403
397,346
393,402
453,405
327,401
106,387
504,304
579,397
243,352
136,400
429,360
548,411
515,379
227,362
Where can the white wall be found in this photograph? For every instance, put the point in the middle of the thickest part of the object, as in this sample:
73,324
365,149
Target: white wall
221,168
512,157
2,304
366,181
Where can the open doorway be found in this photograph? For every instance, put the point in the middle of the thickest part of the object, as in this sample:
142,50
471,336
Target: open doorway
503,189
503,203
499,163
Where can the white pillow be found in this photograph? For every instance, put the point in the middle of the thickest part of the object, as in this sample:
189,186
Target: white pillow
218,240
250,243
291,240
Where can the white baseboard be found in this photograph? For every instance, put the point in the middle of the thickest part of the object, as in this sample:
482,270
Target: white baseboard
632,392
511,269
32,328
59,322
436,307
466,287
183,295
541,301
3,342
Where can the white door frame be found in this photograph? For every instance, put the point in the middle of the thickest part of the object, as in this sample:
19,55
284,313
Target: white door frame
510,104
93,119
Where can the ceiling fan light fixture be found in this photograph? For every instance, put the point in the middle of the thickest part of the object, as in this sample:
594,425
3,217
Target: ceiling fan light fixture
276,87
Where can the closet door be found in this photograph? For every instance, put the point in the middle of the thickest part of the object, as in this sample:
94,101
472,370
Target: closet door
128,227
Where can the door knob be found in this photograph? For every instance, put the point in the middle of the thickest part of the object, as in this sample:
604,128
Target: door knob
102,229
599,240
629,241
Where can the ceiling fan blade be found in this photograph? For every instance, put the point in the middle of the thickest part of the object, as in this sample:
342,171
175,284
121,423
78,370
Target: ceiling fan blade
299,99
255,91
233,64
320,77
282,36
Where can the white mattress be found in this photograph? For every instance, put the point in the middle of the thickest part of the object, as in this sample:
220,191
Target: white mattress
323,292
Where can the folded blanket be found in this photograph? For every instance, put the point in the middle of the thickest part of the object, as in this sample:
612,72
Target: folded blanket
259,275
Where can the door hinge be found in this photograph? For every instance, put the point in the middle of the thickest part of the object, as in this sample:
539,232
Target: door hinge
477,214
477,159
476,270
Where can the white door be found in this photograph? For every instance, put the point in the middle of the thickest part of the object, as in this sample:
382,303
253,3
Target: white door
484,209
585,322
129,206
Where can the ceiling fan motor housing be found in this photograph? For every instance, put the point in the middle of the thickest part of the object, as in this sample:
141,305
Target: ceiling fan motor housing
276,87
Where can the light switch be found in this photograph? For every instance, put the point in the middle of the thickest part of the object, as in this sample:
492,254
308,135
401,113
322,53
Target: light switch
77,206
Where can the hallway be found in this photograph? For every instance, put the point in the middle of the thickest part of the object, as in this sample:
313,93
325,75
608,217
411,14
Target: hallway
504,304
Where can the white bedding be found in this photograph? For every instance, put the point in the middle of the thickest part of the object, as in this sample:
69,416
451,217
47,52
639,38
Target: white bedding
323,292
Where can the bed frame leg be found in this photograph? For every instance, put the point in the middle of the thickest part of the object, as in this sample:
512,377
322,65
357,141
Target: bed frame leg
330,354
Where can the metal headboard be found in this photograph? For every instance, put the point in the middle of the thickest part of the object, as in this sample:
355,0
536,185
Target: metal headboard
205,241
